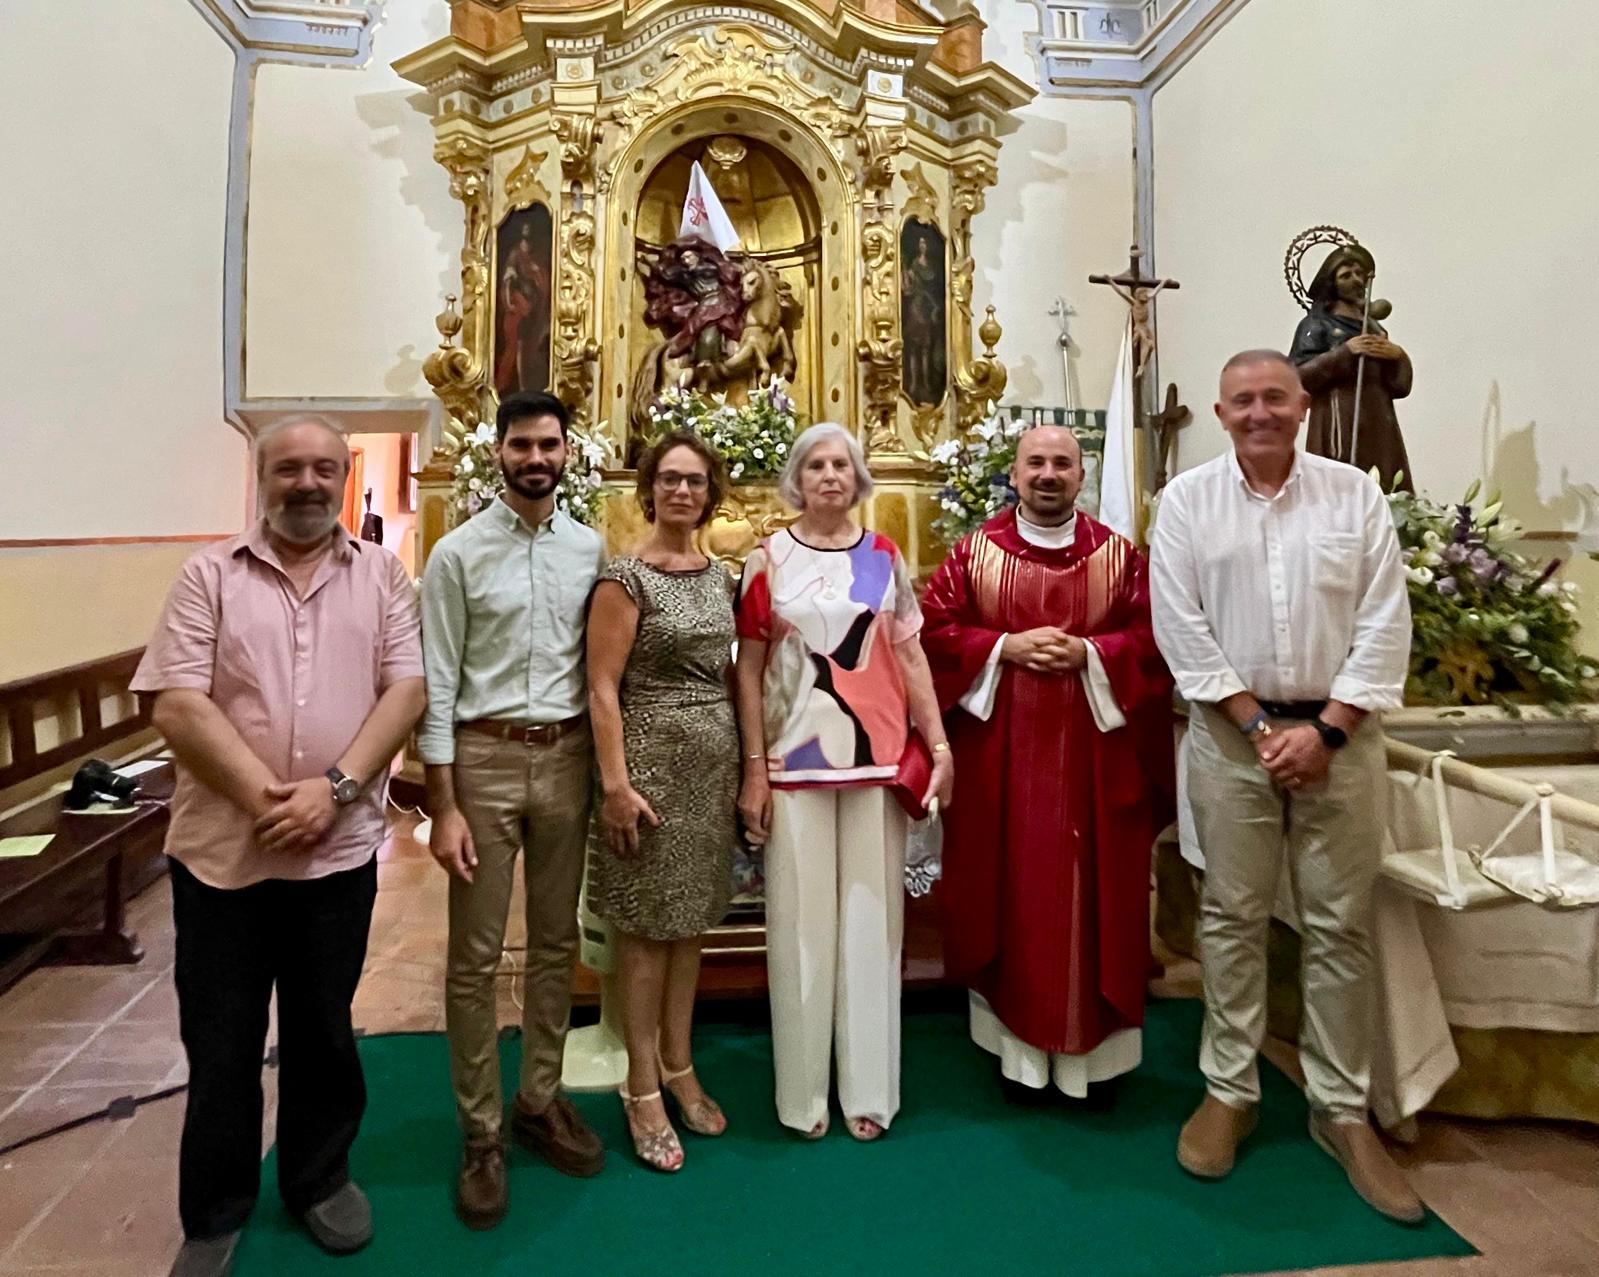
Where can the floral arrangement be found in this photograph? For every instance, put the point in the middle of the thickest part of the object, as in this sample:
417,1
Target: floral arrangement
1487,622
478,478
976,470
754,438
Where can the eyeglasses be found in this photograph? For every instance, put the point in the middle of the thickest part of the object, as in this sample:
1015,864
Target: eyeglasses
671,481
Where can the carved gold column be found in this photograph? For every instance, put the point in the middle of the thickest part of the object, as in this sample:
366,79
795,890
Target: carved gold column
575,125
979,380
458,373
879,348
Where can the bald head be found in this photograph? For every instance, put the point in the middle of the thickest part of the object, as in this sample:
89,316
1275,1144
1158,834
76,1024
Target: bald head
1254,358
1048,474
1048,438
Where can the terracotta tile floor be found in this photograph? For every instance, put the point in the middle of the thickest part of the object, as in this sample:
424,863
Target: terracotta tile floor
101,1199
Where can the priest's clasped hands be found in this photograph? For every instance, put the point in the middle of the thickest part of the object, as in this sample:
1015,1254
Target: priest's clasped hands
1046,650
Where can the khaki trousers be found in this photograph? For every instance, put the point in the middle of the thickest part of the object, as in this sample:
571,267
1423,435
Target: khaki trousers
835,926
533,800
1332,838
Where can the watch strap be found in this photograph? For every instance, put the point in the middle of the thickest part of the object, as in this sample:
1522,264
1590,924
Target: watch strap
346,789
1333,737
1254,724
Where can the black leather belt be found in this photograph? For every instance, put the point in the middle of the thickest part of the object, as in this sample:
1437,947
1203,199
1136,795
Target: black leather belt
1293,709
526,733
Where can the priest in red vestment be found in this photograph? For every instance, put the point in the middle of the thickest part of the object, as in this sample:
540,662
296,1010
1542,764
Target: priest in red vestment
1058,707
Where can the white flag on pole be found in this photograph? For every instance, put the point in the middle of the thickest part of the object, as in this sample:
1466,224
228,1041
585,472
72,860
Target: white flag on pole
1118,490
704,216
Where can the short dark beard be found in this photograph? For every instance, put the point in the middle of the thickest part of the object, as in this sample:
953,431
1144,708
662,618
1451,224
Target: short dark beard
1037,521
537,490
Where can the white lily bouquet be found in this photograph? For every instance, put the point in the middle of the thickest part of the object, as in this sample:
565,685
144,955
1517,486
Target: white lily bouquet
754,438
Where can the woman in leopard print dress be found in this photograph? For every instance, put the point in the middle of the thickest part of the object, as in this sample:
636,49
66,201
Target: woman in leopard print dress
666,741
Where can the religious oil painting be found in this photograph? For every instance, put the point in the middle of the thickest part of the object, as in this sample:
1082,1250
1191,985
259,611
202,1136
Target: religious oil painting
522,301
923,323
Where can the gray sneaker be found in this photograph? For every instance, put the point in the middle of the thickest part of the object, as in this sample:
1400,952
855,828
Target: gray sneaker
342,1222
206,1257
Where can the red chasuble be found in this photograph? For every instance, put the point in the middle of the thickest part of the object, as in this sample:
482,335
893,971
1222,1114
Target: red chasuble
1045,894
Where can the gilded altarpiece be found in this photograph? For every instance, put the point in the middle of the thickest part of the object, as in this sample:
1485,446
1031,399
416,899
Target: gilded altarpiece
833,133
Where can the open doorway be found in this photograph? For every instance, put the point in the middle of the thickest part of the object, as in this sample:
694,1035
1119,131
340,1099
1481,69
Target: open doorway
380,498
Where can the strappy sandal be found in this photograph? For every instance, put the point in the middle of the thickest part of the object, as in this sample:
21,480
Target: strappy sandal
659,1150
703,1116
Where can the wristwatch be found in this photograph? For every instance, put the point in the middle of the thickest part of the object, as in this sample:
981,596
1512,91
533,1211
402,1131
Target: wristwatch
1257,728
1332,737
346,789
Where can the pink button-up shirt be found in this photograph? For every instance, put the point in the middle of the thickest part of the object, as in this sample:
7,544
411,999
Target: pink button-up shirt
296,677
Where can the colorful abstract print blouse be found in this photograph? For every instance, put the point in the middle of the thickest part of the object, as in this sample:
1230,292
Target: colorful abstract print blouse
833,693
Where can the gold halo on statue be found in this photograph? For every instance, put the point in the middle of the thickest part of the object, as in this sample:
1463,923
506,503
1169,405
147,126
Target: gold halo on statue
1301,244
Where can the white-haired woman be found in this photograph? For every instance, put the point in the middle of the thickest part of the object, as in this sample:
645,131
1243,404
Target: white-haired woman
830,676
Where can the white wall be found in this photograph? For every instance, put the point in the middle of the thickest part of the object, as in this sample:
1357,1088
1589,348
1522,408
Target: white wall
114,125
1063,209
1455,140
353,237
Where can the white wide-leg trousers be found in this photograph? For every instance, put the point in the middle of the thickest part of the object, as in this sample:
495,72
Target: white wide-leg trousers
835,926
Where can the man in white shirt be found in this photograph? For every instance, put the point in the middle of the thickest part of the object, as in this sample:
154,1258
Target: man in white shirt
509,759
1279,603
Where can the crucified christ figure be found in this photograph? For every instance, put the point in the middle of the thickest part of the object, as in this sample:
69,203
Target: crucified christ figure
1138,300
1138,293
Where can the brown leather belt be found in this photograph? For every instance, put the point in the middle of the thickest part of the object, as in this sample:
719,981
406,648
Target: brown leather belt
526,733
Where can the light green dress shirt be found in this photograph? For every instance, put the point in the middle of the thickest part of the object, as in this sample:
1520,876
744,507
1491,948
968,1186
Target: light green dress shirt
503,608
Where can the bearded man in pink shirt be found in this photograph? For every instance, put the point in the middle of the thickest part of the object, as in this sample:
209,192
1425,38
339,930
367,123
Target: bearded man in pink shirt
287,672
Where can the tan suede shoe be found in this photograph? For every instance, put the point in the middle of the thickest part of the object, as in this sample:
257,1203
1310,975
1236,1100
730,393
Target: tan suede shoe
1209,1140
1373,1174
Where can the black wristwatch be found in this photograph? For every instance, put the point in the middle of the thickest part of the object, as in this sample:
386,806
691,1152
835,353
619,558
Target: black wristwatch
346,789
1332,737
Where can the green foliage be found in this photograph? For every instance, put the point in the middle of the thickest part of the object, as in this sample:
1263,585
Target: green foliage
1488,624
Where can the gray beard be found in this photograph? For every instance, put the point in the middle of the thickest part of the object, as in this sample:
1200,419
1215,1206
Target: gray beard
302,525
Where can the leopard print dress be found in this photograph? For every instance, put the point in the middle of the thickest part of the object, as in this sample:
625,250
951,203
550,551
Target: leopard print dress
681,738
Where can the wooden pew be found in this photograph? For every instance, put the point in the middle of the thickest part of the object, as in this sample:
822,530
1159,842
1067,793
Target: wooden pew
85,684
94,861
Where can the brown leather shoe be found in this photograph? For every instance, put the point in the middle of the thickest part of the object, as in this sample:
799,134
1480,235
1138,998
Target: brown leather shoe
1208,1143
1372,1173
482,1193
560,1136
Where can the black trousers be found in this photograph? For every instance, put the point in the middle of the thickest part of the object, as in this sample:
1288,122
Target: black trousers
308,939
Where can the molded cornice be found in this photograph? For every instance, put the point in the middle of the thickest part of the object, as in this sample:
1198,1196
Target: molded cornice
1073,51
316,31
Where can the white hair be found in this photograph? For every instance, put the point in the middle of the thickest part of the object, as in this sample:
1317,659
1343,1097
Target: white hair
299,419
788,485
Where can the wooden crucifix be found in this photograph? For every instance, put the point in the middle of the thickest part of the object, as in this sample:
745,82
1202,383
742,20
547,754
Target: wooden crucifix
1139,294
1165,424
